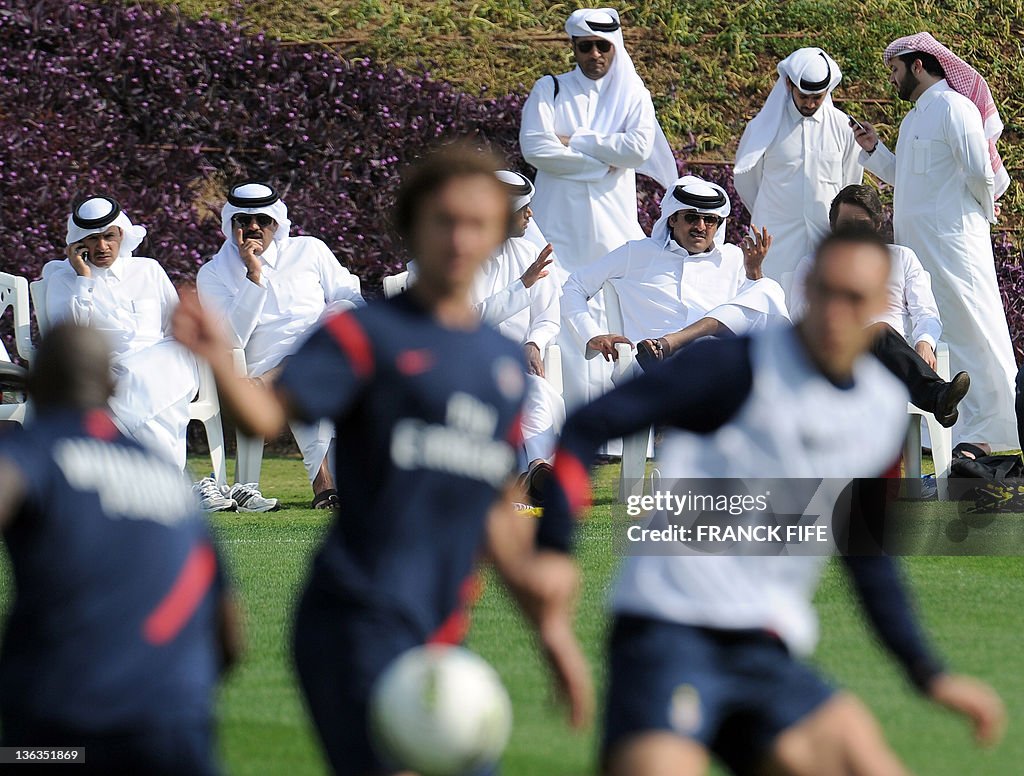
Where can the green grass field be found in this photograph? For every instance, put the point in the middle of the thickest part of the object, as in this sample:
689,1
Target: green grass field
972,605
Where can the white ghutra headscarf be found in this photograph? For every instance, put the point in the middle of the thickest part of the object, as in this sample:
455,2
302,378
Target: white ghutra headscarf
95,214
812,71
621,89
692,193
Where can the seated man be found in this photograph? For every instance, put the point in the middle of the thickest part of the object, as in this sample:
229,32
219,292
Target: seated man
683,272
271,289
512,293
129,299
910,297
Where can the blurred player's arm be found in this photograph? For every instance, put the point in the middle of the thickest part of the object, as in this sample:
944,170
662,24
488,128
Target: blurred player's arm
544,581
886,601
12,490
698,390
316,382
257,410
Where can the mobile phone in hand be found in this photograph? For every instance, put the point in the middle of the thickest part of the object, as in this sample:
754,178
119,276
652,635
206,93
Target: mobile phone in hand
856,124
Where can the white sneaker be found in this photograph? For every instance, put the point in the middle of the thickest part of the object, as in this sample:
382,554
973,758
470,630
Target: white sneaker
249,498
211,497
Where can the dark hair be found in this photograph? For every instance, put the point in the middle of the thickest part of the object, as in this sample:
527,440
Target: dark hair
928,61
855,234
864,197
71,369
433,172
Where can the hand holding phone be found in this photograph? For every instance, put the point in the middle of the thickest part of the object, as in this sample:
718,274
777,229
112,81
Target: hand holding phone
78,256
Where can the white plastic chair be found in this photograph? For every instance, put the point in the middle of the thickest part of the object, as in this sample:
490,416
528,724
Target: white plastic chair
396,284
941,440
205,408
14,294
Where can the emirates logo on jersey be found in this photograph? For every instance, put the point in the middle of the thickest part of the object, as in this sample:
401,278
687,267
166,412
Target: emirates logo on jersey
508,375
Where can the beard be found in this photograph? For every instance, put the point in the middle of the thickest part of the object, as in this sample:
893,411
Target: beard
908,84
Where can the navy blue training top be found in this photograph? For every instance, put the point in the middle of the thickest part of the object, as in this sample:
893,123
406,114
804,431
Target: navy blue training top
427,427
113,623
670,395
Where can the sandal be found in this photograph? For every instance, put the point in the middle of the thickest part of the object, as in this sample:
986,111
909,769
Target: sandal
326,499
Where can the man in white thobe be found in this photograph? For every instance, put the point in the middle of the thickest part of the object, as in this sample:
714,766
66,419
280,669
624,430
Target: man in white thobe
794,157
514,293
588,132
946,184
517,292
683,273
129,299
271,288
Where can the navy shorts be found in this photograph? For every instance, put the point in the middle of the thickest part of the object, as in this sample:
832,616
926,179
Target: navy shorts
340,650
733,692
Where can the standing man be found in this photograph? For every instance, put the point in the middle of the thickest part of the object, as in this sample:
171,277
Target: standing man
794,157
947,177
121,618
129,300
271,289
588,132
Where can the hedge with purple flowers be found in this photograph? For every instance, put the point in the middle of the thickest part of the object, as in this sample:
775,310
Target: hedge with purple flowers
163,112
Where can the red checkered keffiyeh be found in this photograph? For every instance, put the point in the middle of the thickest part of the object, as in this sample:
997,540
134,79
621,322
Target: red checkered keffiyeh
967,81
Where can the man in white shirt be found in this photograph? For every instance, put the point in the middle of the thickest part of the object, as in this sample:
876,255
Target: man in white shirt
946,176
271,288
683,272
129,299
514,294
910,299
794,157
588,132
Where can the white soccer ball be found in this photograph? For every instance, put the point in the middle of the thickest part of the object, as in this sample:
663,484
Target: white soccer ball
440,711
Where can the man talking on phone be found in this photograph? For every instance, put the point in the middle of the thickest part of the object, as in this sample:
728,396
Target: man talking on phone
795,155
129,300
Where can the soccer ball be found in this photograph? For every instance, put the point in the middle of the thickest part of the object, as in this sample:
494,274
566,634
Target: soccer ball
440,711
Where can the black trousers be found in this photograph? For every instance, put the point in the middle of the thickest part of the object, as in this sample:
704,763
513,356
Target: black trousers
1019,406
903,361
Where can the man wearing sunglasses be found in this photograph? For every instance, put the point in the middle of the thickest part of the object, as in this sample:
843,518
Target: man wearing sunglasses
794,157
683,273
270,289
588,132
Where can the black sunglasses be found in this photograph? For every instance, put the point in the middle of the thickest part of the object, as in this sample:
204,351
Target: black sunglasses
244,219
692,217
584,46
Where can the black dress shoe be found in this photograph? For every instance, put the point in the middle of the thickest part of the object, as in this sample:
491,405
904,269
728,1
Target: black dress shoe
949,397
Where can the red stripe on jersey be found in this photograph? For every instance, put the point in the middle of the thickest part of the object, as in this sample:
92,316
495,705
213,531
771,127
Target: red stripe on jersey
454,629
353,341
574,480
177,607
99,426
515,431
